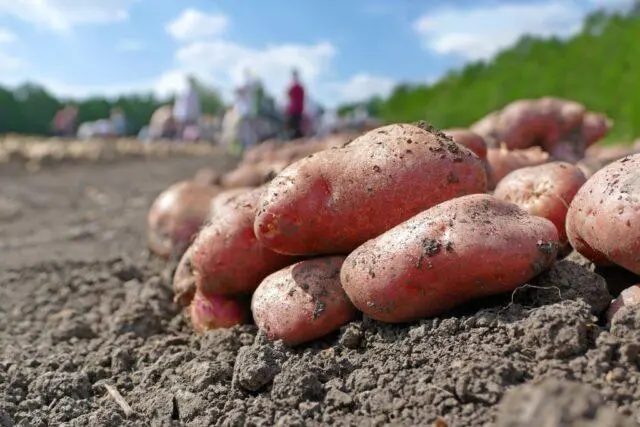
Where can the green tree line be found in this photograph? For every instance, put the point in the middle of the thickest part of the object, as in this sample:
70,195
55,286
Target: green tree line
599,66
30,108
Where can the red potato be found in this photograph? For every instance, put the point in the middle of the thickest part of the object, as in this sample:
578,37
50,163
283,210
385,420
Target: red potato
252,175
184,281
227,258
207,176
486,128
209,311
332,202
503,161
629,297
603,221
303,302
225,196
595,126
415,269
469,139
544,190
176,216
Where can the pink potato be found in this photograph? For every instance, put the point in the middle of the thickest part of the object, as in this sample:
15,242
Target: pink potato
207,176
503,161
176,216
252,174
469,139
226,256
225,196
545,190
603,221
210,311
629,297
337,199
459,250
303,302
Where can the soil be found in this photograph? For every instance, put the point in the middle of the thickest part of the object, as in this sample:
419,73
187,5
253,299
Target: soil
89,335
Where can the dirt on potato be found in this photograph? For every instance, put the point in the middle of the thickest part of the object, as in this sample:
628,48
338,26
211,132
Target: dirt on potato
89,335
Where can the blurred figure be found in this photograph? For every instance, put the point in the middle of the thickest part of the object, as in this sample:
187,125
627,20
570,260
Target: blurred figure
245,107
118,122
295,107
186,110
64,122
162,125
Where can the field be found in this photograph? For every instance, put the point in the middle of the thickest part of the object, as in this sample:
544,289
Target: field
89,334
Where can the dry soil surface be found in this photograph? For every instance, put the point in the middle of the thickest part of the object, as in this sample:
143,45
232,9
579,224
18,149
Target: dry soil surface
89,335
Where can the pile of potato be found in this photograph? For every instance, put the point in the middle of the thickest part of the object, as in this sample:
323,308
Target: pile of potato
398,224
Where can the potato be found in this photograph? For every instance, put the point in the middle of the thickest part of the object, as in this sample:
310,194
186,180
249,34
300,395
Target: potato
543,190
207,176
184,281
595,126
459,250
210,311
503,161
303,302
176,216
252,175
629,297
469,139
225,196
337,199
227,258
603,221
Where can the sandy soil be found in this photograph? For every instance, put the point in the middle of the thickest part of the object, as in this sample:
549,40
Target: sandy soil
89,336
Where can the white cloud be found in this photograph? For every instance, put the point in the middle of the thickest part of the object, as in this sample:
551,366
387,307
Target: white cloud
224,63
480,32
131,45
62,15
7,37
193,24
361,87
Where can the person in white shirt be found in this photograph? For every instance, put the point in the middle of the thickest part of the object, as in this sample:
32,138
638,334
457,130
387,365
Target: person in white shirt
186,109
244,104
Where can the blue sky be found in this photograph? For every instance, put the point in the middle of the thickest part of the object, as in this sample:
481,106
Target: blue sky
346,50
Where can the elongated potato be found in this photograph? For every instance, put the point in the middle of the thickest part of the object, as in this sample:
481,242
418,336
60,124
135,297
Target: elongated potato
544,190
335,200
303,302
226,256
603,221
462,249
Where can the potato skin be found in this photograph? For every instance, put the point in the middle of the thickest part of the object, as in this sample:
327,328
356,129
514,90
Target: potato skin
209,311
176,215
335,200
544,190
503,161
469,139
226,256
415,269
603,221
303,302
184,281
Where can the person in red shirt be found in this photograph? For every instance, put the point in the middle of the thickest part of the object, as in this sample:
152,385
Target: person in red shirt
295,107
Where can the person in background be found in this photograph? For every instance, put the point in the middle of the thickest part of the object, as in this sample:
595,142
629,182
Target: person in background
186,110
295,108
245,107
162,124
64,122
118,122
